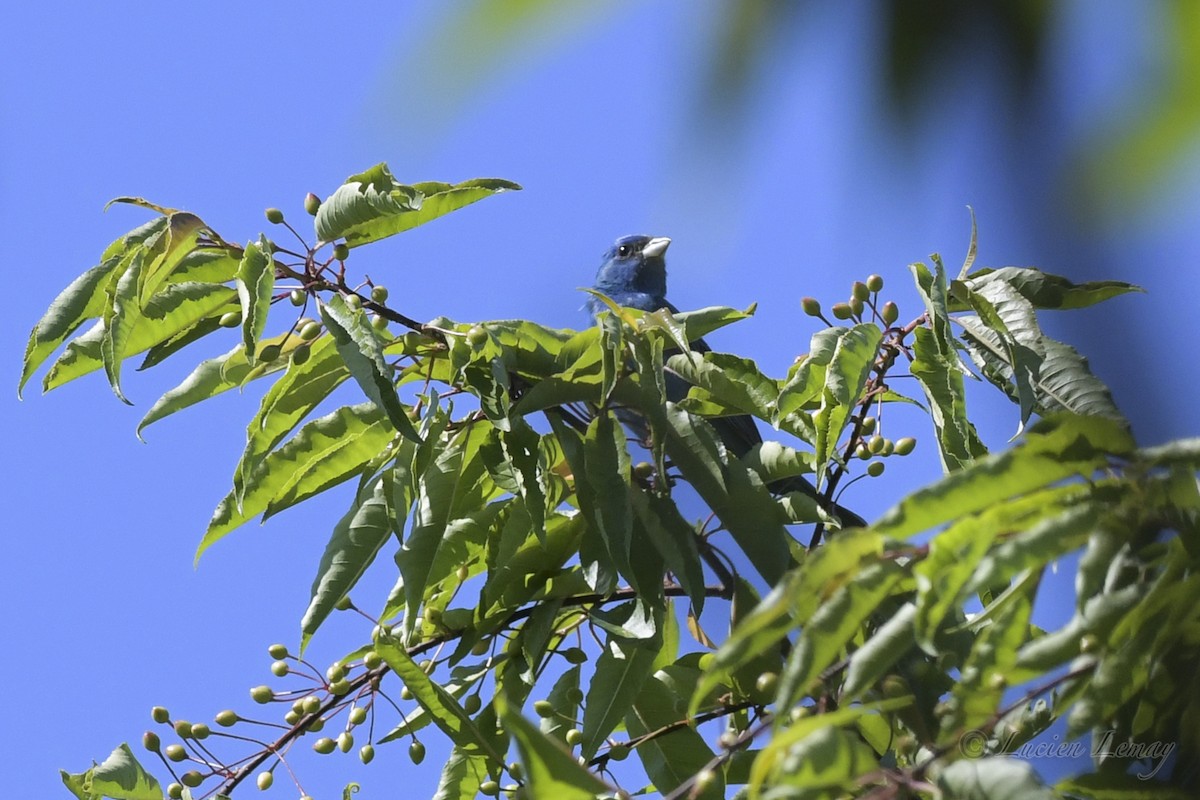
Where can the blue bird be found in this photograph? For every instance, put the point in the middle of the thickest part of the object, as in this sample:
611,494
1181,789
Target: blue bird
634,274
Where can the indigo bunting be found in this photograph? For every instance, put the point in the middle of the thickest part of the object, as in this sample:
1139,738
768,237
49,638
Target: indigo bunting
634,274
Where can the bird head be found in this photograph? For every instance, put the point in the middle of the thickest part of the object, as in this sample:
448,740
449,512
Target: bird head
634,272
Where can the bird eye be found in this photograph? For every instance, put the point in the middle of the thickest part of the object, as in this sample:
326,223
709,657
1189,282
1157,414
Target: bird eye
624,250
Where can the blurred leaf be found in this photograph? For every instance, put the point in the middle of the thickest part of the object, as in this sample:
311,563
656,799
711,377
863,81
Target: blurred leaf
669,760
372,205
1044,290
879,653
993,779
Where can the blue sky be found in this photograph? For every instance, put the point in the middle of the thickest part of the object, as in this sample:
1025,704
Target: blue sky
227,108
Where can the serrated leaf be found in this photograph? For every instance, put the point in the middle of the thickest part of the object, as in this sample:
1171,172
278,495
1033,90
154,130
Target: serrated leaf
168,252
360,347
255,284
372,205
120,777
621,671
1048,291
289,400
120,318
674,539
879,653
355,542
322,454
462,775
845,379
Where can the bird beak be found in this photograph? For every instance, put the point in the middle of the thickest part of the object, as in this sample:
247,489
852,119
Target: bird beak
656,247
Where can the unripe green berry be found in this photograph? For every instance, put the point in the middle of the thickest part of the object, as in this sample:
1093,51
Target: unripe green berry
890,313
357,715
515,769
317,725
371,659
727,740
875,469
160,714
201,731
856,306
841,311
262,694
280,668
575,695
477,336
230,319
297,297
868,425
340,687
311,704
151,742
379,323
226,718
291,717
889,447
905,445
274,216
354,301
875,445
406,693
574,736
643,470
335,672
575,655
341,252
309,331
191,779
324,745
345,741
301,355
859,291
543,708
766,682
618,752
379,294
312,203
183,729
1089,643
862,452
270,352
175,752
472,703
811,306
875,283
704,779
277,651
416,752
433,616
175,791
489,788
463,573
264,780
427,666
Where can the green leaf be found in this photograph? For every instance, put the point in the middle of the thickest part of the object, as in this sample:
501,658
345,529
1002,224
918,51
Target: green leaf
324,453
607,471
255,283
621,671
845,379
1066,383
445,711
168,252
734,382
289,400
943,575
565,709
992,779
734,493
372,205
175,309
878,654
1048,291
806,380
673,759
674,538
120,777
520,445
356,540
1057,447
120,318
1110,785
360,347
462,775
832,626
938,368
550,769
